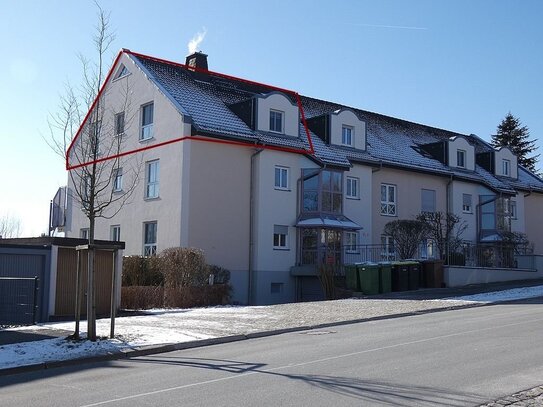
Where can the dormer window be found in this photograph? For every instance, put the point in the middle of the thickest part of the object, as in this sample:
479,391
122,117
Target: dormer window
461,158
276,121
347,133
506,168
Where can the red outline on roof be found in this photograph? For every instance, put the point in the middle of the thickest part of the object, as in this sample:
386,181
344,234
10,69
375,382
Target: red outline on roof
311,150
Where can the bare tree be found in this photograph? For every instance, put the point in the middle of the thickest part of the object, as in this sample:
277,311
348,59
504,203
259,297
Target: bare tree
92,122
10,226
445,229
407,236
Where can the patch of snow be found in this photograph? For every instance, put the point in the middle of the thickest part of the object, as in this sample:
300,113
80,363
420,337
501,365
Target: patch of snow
166,326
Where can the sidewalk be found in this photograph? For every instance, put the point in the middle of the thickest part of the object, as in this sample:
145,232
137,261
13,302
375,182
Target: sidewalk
155,331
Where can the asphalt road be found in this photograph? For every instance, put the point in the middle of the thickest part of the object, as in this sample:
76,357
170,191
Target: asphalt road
453,358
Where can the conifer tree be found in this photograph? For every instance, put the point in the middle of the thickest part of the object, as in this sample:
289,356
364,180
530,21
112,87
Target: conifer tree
511,133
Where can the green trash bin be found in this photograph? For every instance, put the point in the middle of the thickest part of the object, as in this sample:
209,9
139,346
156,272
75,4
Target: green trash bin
385,277
351,277
400,276
413,275
368,277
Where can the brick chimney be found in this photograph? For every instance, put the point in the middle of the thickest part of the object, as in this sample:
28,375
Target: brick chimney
197,60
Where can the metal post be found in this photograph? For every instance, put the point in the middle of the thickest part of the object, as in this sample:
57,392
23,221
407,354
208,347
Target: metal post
35,308
113,295
77,295
91,295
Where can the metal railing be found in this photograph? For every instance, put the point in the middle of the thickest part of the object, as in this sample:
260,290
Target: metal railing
494,255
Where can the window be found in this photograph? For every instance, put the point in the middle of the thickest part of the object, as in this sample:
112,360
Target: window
276,288
513,209
149,238
281,177
118,180
115,233
119,124
351,242
86,189
347,135
95,129
122,71
428,200
276,121
466,203
151,179
352,187
147,121
322,191
84,233
461,158
427,249
388,251
506,167
388,200
280,237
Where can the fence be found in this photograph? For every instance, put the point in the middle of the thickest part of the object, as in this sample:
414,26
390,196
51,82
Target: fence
489,255
18,300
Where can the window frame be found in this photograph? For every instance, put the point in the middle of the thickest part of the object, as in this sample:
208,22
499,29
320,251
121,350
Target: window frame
84,233
345,127
148,127
274,121
467,208
116,122
152,246
349,187
115,233
387,204
152,184
513,209
434,198
351,247
282,170
388,252
463,154
282,238
506,167
118,180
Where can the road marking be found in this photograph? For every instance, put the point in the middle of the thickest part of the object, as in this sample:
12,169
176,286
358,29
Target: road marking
310,362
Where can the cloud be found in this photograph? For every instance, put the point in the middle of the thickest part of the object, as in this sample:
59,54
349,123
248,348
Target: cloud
398,27
195,42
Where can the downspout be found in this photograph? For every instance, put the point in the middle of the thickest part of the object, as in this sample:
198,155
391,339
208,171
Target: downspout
448,210
251,227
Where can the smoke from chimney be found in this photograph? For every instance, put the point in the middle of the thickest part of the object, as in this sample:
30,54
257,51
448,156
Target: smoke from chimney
195,42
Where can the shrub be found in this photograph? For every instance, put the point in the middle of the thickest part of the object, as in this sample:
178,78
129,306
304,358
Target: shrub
141,271
183,267
220,274
137,297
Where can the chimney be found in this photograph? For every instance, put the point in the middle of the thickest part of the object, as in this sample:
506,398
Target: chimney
197,60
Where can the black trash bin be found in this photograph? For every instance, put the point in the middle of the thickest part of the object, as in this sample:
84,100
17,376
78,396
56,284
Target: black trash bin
414,275
432,274
400,276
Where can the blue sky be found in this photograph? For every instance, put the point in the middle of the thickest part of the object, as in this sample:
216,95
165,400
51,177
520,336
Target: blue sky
458,65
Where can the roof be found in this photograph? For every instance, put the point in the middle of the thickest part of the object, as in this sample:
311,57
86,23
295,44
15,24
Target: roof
205,98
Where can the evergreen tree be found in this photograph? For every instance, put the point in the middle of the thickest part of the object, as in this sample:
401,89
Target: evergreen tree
511,133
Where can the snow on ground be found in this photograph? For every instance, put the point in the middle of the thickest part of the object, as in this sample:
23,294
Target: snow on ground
163,326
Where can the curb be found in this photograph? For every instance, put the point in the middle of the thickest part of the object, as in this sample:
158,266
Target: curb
153,350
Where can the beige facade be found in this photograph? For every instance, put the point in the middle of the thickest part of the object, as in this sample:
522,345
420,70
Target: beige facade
408,186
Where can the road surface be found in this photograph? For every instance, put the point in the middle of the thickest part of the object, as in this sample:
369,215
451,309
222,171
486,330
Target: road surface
453,358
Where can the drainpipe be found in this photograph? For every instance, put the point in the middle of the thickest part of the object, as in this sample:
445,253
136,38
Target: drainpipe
448,210
251,226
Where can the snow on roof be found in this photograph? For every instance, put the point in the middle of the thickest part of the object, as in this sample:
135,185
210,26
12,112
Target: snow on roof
390,141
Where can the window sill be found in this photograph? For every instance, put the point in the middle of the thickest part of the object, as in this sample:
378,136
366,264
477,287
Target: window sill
121,77
354,198
144,140
467,212
152,198
117,191
282,249
283,189
390,216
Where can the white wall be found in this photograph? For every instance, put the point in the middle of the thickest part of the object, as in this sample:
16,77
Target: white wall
460,143
128,94
278,101
359,210
504,153
348,118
